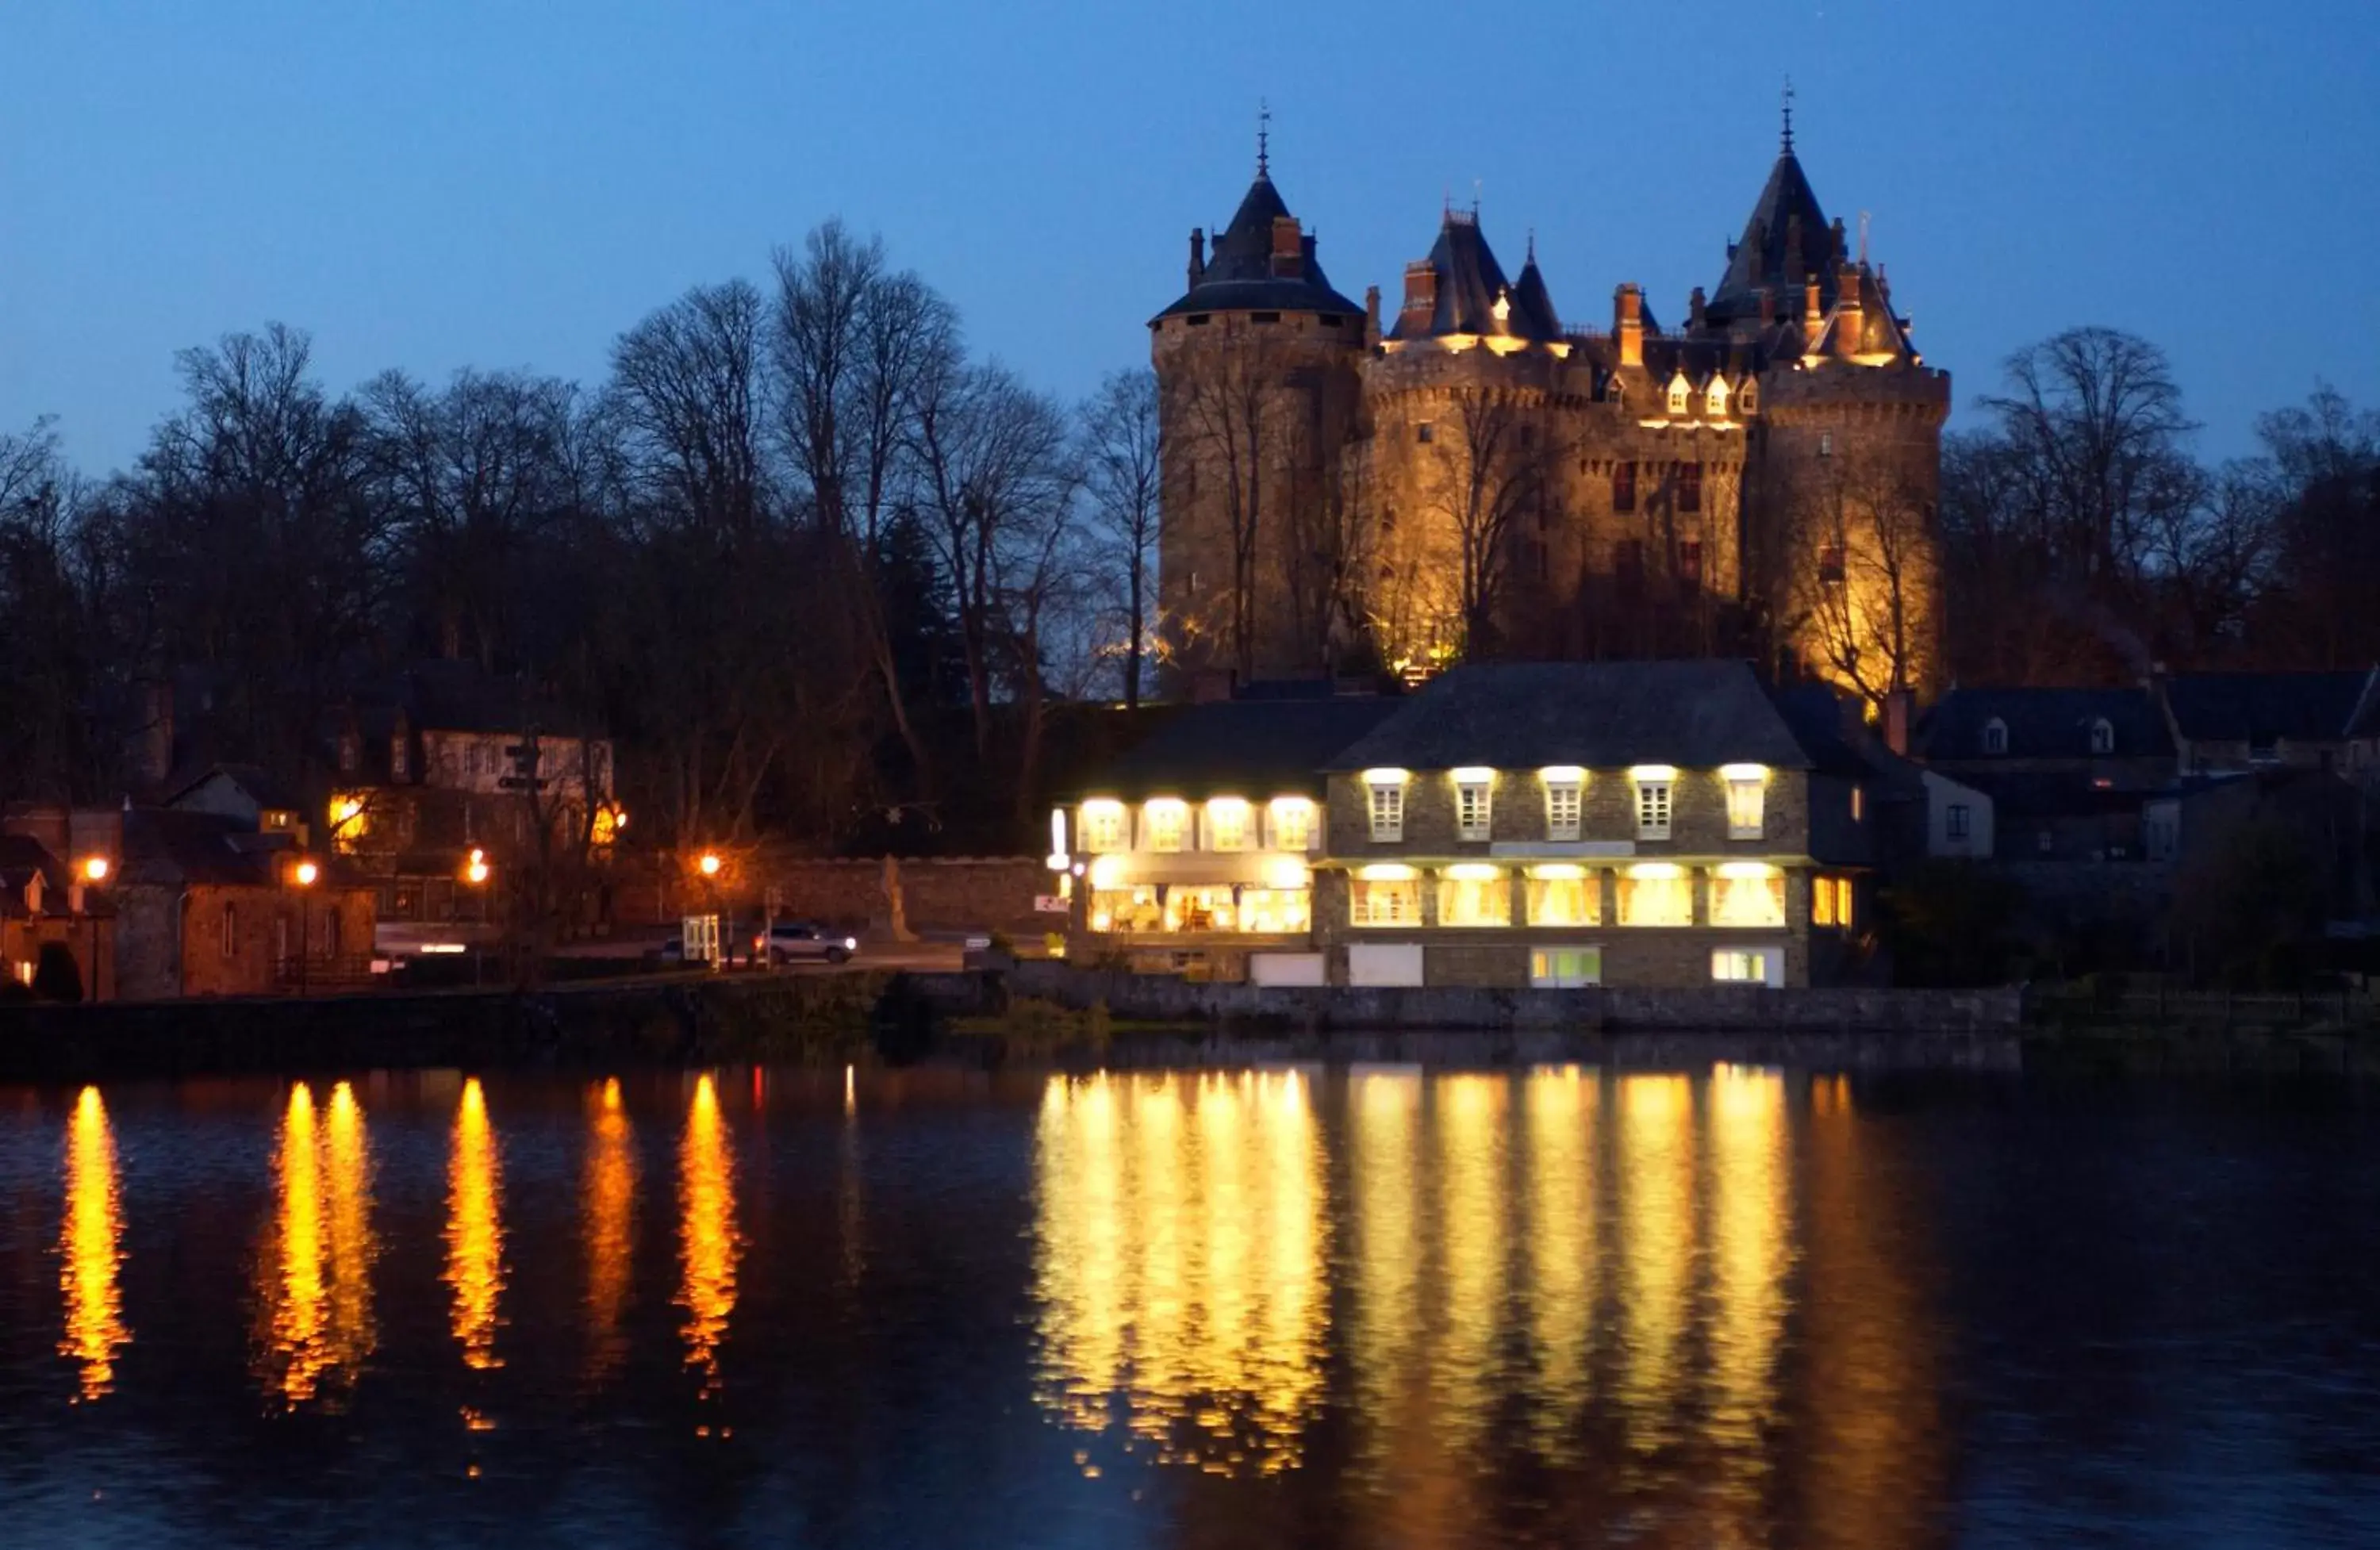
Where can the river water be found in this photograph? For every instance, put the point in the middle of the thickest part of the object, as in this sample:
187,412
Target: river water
1367,1307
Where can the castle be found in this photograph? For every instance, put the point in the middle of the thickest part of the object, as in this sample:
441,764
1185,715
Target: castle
1472,476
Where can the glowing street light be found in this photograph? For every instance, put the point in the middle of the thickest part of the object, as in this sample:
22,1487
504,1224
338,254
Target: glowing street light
95,869
305,872
475,871
709,864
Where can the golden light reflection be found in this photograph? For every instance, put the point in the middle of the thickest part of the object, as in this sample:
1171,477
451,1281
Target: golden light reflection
475,1232
609,1214
1657,1189
1751,1252
707,1231
1473,1200
314,1268
1560,1196
1385,1109
90,1248
1180,1250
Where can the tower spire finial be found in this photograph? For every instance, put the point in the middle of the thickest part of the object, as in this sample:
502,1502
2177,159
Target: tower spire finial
1789,116
1264,138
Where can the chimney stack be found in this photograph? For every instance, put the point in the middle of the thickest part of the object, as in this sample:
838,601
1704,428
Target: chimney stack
1628,324
1288,249
1371,316
1811,318
1421,296
1197,256
1850,334
1900,706
1695,310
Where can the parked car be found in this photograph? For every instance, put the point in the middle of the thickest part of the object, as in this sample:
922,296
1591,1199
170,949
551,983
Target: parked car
794,941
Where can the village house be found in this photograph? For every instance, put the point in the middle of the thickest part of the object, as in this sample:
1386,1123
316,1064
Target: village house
1638,824
54,913
2228,722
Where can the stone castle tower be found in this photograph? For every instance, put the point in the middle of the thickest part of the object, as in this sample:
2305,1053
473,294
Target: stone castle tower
1480,478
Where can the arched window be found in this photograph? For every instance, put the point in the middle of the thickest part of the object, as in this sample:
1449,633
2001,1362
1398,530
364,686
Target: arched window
1996,736
2103,736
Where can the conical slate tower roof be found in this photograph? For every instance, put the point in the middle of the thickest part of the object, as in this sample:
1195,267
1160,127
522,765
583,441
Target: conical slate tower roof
1243,274
1786,213
1533,309
1473,295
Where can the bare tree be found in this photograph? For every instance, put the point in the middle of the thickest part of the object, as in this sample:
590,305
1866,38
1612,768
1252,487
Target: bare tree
1864,559
1123,479
1241,429
993,473
687,379
1487,473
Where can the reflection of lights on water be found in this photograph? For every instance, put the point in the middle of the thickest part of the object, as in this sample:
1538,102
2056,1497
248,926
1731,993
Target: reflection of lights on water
1560,1247
475,1233
610,1207
1657,1189
90,1250
1750,1252
707,1231
1180,1266
314,1269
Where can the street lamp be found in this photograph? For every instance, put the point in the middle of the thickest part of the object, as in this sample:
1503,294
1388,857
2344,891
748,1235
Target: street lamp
475,872
95,872
709,866
305,872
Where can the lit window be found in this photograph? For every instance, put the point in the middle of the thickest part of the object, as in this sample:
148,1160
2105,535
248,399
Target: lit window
1565,968
1564,807
1826,443
1276,910
1199,909
1747,965
1996,736
1955,823
1859,804
1474,798
1746,894
1102,827
1655,786
1716,400
1747,786
1386,896
2103,736
1678,391
1560,895
1474,896
230,930
1388,805
1227,824
1168,819
1293,823
1831,902
350,822
1126,909
1655,894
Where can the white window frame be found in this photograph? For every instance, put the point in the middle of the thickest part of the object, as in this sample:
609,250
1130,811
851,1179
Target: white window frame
1747,802
1565,803
1360,917
1543,975
1217,831
1385,804
1656,804
1475,808
1281,836
2103,736
1106,827
1679,391
1159,839
1958,822
1996,742
1768,958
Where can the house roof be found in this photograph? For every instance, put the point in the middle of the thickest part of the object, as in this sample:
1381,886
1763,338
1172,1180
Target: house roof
1818,719
22,858
1240,272
169,847
2044,723
1526,715
2264,708
1243,747
261,786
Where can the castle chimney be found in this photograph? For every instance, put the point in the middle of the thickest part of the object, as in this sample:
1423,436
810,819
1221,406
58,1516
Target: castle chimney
1371,316
1421,298
1850,335
1768,306
1197,256
1899,707
1811,318
1288,249
1694,310
1628,324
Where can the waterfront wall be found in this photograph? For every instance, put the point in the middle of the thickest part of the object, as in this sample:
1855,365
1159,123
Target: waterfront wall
1165,999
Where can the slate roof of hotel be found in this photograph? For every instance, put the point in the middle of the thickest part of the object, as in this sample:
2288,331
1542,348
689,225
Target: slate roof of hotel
1254,747
1600,715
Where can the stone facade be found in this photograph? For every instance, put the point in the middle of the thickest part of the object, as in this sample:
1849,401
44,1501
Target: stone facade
1481,478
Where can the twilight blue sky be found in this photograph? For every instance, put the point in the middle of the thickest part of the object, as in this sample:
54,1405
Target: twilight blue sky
502,183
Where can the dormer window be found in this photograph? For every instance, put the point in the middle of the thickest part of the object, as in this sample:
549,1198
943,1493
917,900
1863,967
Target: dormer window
1716,399
2103,736
1678,393
1996,736
1747,398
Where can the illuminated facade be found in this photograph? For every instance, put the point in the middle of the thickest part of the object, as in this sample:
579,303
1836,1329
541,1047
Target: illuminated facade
1470,476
